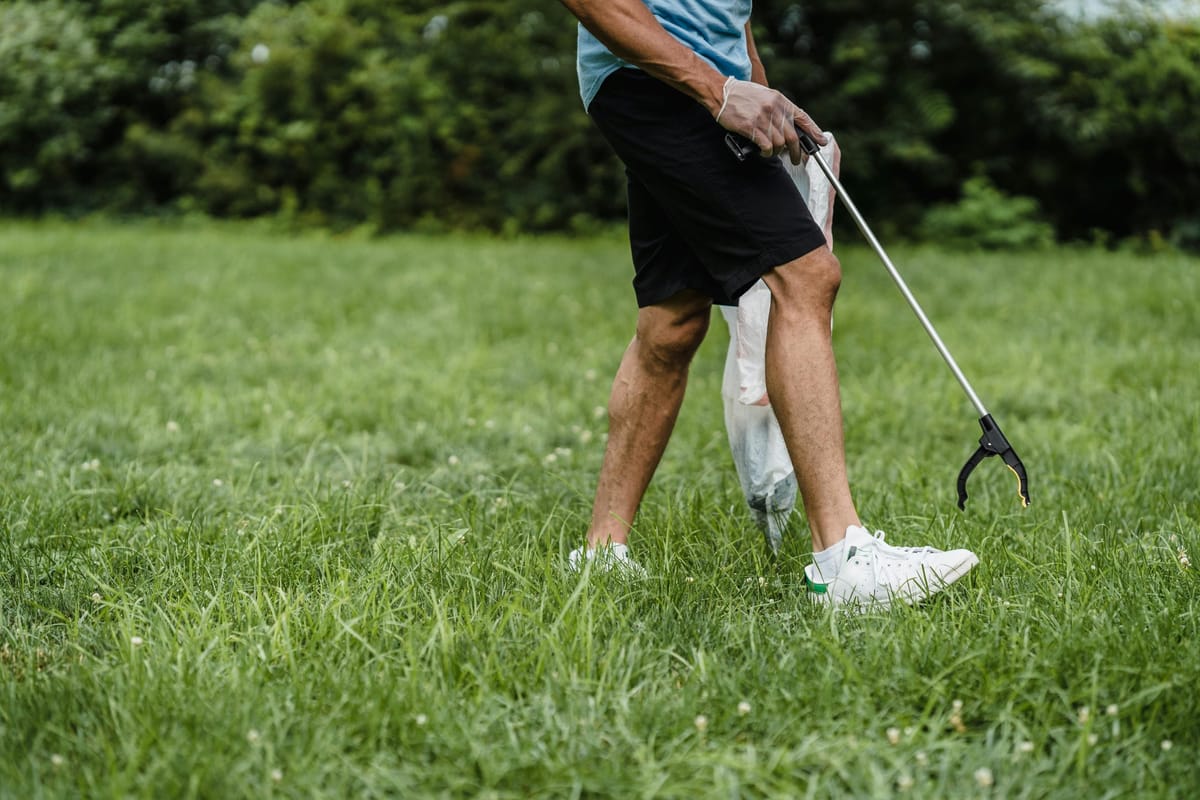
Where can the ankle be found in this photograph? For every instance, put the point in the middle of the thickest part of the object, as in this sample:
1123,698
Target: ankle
597,540
828,535
829,560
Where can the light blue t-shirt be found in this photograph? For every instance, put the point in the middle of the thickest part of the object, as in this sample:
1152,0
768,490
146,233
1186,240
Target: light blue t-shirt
714,29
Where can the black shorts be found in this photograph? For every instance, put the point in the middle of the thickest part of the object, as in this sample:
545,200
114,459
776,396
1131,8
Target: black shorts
698,218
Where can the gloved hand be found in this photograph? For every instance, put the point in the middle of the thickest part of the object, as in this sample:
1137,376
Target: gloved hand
767,118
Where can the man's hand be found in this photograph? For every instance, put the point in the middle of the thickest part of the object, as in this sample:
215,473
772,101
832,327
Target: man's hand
767,118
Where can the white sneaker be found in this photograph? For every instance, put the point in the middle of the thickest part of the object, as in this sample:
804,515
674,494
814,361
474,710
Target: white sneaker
612,558
875,572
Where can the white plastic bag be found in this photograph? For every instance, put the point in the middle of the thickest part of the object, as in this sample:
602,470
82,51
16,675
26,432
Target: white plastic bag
759,453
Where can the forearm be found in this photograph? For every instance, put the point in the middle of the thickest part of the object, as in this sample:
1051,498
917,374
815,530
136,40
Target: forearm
631,33
757,73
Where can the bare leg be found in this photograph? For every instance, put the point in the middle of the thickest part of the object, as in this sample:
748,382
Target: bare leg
802,383
645,401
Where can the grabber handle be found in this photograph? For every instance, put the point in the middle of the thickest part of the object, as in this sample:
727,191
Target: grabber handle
744,148
993,443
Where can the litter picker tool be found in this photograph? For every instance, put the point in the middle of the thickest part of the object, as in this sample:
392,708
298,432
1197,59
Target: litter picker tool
993,441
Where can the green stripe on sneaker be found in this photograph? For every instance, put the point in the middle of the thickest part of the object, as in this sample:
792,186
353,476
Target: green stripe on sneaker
815,588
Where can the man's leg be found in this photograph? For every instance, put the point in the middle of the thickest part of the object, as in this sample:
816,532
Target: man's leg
802,383
642,409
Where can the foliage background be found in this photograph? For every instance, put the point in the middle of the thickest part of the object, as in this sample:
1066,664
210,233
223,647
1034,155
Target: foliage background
403,114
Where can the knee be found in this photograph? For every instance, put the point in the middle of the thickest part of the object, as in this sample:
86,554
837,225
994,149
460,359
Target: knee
670,342
809,283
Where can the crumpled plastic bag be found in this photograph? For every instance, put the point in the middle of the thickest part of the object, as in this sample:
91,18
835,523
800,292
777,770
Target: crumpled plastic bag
763,466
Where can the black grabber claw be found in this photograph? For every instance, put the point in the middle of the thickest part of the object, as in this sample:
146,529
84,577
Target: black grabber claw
993,443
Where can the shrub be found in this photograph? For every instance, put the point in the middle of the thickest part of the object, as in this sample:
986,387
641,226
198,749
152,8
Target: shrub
54,82
987,219
403,113
375,112
88,89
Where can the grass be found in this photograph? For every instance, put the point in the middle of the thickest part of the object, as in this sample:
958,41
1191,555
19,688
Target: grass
286,517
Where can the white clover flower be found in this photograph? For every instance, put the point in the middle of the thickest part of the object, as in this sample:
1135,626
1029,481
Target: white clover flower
1112,710
904,782
470,422
137,641
599,411
893,735
96,598
956,717
550,458
590,375
420,719
922,758
585,436
490,424
701,723
217,482
1093,739
452,461
277,775
1025,747
400,486
1166,745
743,708
1085,714
253,736
260,53
172,426
984,777
57,760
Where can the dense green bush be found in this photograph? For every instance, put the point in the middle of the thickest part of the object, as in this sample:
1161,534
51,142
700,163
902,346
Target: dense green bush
371,113
1092,118
88,86
161,52
403,113
1117,116
52,74
987,219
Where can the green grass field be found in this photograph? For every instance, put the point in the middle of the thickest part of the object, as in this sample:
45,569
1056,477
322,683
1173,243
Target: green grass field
287,516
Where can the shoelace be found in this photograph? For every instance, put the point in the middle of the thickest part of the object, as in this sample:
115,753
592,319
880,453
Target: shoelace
896,568
892,549
883,569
